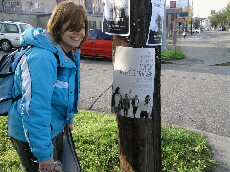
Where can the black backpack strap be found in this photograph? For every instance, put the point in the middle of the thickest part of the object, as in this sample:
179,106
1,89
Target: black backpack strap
58,62
16,98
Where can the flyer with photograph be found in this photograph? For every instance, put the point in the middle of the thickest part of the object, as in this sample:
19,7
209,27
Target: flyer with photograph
116,17
156,23
133,82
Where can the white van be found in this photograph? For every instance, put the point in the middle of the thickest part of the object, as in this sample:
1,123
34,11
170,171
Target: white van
10,33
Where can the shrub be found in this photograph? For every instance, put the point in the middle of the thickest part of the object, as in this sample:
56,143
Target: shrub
172,55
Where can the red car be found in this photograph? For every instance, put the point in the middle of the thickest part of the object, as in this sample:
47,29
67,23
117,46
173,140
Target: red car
98,44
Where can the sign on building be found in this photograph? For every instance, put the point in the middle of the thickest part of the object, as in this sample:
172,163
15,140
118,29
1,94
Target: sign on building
172,4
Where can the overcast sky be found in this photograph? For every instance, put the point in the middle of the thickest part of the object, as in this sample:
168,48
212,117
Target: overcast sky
202,8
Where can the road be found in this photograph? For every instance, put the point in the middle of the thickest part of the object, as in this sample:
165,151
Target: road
195,91
198,88
219,39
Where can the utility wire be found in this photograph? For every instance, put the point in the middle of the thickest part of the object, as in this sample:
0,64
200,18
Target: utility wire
99,97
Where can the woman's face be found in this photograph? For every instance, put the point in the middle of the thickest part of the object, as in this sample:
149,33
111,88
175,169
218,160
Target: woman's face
71,39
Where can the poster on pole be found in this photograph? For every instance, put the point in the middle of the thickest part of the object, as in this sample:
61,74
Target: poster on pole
133,82
116,17
156,23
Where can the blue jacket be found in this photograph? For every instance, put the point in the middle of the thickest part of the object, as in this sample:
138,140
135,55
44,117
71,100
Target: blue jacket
49,101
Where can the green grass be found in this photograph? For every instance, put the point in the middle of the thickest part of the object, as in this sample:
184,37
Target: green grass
95,136
172,55
224,64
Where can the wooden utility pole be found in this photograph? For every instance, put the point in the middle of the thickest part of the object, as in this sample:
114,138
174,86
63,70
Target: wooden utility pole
140,138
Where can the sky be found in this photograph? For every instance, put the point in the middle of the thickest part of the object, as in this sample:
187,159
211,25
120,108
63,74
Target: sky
202,8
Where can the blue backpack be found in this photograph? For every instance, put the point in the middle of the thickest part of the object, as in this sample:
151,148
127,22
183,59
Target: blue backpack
8,64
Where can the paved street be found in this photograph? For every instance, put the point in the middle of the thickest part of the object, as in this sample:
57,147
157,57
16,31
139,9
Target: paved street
195,92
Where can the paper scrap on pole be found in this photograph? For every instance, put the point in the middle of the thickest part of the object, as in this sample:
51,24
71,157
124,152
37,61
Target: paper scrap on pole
116,17
156,23
133,82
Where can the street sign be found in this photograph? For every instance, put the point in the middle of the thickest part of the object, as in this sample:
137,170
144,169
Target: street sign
180,20
172,4
183,14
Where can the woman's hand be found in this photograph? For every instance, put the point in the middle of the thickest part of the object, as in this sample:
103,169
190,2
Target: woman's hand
70,126
46,166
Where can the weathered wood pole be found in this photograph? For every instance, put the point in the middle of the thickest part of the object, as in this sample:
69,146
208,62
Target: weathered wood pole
140,139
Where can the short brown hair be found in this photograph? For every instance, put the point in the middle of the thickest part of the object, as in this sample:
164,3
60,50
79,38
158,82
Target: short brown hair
68,12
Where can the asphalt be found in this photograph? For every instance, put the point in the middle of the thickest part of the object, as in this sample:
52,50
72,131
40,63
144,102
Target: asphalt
194,92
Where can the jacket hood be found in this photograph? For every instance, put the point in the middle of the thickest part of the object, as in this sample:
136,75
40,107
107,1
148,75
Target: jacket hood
38,38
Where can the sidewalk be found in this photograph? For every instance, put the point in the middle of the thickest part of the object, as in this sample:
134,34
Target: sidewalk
195,95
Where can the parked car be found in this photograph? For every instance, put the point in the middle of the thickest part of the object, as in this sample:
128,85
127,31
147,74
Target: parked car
197,30
98,44
223,28
10,33
193,30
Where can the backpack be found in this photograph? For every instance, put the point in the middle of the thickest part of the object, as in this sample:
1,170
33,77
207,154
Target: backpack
8,64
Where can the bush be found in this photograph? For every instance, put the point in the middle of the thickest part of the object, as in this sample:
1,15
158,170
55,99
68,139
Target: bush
172,55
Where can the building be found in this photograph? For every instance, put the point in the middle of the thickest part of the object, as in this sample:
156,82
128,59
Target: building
37,12
206,24
27,6
46,6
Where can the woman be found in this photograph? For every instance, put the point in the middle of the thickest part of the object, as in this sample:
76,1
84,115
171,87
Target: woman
50,94
184,33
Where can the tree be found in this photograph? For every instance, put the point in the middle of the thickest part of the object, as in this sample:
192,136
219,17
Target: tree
140,139
222,17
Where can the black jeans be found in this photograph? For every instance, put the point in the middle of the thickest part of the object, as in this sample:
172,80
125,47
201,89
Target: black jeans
134,110
28,160
144,114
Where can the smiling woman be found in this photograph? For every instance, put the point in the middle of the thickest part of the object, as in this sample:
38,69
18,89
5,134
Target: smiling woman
73,32
71,39
50,95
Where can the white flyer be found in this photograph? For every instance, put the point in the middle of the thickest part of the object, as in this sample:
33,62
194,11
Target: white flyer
133,82
156,23
116,17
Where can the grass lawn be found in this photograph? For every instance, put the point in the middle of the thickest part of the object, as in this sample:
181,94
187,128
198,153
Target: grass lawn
95,136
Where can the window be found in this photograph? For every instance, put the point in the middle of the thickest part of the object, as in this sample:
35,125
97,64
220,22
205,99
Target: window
17,4
23,27
104,36
36,5
2,27
92,24
93,34
12,28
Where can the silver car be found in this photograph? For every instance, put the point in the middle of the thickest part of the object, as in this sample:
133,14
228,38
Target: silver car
10,33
